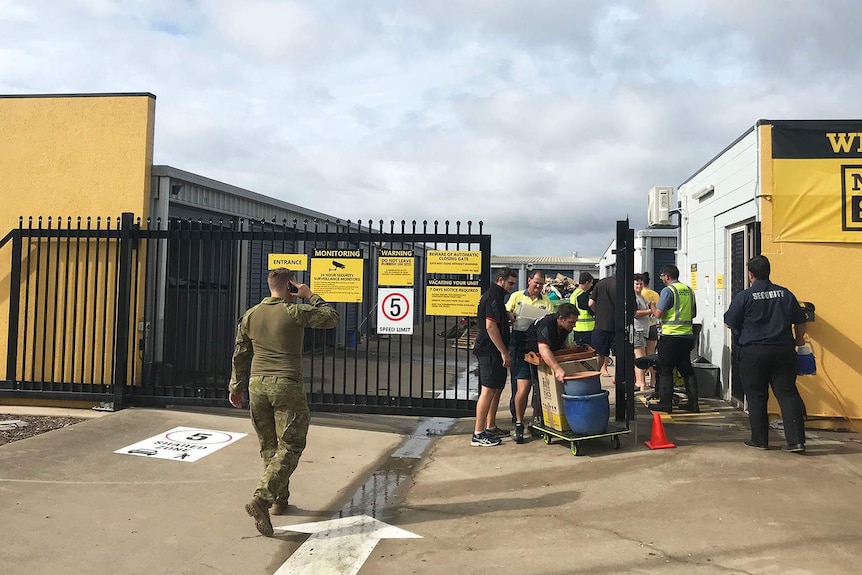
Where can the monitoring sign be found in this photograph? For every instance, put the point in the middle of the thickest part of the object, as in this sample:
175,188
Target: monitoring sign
336,275
182,444
395,311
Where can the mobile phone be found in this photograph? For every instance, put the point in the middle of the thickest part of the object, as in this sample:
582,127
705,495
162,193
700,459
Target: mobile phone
292,288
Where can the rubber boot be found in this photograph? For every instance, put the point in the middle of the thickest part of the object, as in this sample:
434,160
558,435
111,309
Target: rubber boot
665,394
691,392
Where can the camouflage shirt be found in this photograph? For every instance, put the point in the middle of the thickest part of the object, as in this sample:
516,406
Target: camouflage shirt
269,338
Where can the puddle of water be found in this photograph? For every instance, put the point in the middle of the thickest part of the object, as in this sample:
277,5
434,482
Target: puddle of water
383,488
466,387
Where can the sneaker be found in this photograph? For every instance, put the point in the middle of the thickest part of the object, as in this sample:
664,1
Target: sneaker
794,448
497,432
755,445
485,439
519,433
258,509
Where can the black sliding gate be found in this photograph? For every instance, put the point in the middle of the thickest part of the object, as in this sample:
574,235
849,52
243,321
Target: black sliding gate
126,312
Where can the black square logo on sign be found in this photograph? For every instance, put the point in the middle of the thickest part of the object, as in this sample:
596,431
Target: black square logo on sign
851,198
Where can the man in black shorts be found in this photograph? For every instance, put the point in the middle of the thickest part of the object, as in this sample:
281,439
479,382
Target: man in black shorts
603,301
491,349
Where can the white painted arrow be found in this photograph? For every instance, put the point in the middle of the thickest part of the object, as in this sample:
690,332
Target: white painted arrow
338,546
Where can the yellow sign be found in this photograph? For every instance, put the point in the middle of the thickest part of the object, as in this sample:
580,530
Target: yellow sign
816,183
719,281
454,262
395,268
337,279
452,300
693,283
296,262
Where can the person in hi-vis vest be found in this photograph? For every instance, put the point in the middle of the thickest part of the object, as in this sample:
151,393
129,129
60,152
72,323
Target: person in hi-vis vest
583,331
676,308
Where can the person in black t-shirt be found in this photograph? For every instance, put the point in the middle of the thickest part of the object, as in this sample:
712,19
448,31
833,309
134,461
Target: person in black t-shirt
491,349
603,301
550,333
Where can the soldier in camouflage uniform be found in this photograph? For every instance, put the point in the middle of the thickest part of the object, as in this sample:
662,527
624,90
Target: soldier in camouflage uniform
267,363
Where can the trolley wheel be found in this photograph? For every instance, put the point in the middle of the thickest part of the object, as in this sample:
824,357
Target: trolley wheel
547,438
575,448
615,442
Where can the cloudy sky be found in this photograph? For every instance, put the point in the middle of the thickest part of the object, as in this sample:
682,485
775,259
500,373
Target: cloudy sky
548,120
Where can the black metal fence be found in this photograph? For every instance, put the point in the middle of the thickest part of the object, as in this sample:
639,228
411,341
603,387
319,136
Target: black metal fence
119,310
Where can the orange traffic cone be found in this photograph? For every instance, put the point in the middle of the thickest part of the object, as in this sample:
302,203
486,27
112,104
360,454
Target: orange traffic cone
658,440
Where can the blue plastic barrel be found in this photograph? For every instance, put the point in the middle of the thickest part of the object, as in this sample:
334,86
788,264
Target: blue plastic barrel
584,383
588,414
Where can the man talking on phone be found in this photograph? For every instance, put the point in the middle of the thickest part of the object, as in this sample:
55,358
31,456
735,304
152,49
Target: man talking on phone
267,363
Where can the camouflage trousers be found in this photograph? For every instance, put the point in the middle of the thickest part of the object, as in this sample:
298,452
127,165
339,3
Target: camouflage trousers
280,416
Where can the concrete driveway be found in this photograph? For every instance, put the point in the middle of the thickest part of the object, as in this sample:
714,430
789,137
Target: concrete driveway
710,505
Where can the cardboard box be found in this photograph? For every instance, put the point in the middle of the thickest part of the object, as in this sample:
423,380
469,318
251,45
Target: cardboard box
551,390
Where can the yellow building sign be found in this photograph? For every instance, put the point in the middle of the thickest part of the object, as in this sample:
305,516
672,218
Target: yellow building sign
395,268
336,275
454,262
816,187
719,281
295,262
452,297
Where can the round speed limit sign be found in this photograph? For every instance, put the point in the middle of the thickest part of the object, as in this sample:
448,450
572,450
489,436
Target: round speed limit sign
395,311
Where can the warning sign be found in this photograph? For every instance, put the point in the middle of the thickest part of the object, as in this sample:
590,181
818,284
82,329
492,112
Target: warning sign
337,279
454,262
395,311
452,297
395,268
182,444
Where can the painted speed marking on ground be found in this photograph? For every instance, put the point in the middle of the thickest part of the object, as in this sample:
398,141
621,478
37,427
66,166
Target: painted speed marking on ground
182,444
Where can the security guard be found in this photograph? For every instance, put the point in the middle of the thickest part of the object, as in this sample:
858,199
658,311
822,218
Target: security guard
583,331
760,317
676,307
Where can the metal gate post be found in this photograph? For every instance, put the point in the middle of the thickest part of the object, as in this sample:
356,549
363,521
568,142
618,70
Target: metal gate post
124,302
14,308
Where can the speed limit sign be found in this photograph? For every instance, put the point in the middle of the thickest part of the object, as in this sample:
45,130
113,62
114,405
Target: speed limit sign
395,311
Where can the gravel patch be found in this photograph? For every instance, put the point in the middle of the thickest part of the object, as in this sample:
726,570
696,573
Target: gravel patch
15,427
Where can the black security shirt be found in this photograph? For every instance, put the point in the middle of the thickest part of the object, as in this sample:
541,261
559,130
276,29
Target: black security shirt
491,306
547,331
763,314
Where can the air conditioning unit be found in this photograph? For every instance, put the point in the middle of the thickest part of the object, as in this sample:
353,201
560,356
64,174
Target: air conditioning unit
658,208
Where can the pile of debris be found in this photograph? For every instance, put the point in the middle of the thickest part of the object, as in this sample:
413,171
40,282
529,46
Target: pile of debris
560,287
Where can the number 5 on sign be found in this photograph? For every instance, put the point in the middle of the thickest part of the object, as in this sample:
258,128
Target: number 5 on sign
395,311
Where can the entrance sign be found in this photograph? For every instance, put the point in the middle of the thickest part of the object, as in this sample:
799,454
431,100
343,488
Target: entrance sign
336,275
454,262
452,297
395,311
295,262
182,444
395,268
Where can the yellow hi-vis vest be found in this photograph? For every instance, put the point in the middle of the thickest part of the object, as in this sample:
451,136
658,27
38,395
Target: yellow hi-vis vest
586,319
677,320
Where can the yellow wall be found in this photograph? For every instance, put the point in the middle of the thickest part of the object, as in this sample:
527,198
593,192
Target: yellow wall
88,155
825,274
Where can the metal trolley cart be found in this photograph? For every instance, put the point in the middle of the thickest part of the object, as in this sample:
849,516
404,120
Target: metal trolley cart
548,387
575,439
